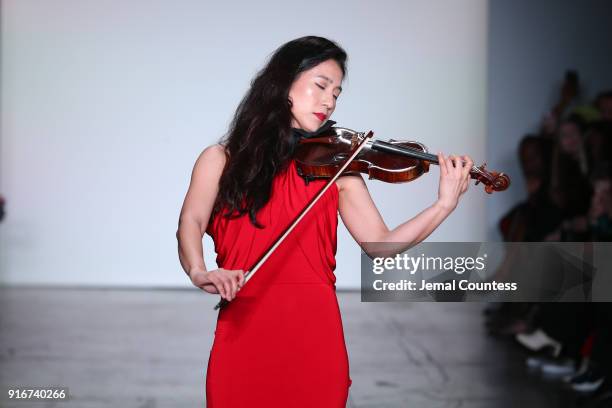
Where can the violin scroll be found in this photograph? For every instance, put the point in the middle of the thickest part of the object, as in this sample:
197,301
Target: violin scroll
493,180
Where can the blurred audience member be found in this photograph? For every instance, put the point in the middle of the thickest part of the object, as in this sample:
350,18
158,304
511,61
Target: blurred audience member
604,105
568,177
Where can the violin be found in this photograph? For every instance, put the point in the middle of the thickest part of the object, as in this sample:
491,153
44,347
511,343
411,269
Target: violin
335,151
391,161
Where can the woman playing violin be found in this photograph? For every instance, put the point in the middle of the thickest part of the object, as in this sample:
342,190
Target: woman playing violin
279,341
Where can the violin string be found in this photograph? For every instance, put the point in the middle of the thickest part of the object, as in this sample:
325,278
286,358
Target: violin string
390,147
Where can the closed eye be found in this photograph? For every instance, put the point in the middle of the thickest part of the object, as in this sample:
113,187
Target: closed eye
323,88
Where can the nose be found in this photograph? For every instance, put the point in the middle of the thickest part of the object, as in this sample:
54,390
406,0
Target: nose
329,101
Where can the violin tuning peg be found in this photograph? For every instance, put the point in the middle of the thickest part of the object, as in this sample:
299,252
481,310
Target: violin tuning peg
477,182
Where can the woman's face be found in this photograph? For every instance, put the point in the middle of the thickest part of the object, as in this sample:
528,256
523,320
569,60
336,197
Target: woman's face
313,95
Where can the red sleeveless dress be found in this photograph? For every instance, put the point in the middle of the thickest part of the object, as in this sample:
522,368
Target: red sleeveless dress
280,342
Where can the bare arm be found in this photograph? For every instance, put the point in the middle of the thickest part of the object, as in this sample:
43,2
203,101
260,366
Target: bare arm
366,225
195,215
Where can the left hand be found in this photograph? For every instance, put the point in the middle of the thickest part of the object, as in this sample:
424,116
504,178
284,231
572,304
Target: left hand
454,179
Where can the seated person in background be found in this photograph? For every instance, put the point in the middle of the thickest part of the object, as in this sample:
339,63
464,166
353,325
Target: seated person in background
534,218
600,213
604,105
598,145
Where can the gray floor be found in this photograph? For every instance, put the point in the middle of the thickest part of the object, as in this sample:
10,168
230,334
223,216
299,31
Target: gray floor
149,348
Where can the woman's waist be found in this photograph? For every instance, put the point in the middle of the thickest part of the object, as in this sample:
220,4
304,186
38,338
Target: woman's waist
306,284
292,290
280,283
278,272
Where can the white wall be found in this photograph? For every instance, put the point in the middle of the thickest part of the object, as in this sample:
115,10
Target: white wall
531,45
107,104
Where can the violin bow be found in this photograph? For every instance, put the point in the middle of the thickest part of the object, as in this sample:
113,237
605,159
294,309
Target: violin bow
301,215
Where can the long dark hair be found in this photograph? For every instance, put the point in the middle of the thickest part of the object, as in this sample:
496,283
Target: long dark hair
260,141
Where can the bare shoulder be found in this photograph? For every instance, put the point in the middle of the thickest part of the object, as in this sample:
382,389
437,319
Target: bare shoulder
214,154
211,161
204,185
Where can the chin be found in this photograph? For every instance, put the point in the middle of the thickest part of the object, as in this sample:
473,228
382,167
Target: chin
311,128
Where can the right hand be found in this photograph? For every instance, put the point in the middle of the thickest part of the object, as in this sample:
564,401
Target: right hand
222,281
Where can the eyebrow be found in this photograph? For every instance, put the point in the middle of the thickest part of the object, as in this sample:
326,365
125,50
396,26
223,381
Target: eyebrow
329,80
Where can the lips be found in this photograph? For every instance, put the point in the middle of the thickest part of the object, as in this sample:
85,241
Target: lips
321,116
